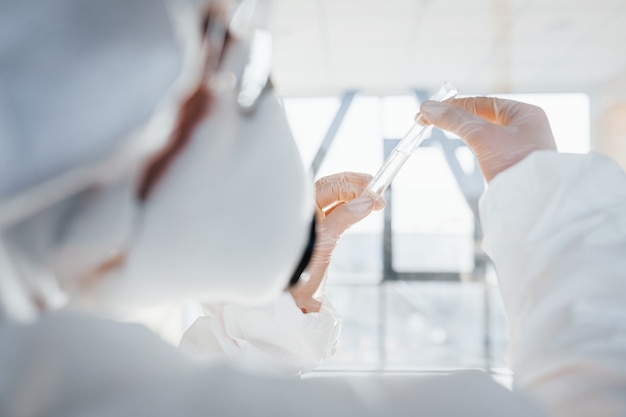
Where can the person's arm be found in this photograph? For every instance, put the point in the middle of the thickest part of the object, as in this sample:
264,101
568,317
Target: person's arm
339,203
555,227
276,338
75,365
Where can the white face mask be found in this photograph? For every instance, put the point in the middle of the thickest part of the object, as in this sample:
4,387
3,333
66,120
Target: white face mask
232,217
229,221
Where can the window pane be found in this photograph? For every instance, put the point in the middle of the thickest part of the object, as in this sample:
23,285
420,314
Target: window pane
397,115
357,144
309,119
358,256
432,225
434,325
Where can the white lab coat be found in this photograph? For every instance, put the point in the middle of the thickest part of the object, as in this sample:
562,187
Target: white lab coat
69,365
277,337
555,226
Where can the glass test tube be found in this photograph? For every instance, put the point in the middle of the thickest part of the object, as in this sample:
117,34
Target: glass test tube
409,142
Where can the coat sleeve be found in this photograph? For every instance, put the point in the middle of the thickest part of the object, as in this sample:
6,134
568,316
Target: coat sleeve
555,227
67,364
277,336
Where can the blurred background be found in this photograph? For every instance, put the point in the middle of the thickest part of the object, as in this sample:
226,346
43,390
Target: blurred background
414,288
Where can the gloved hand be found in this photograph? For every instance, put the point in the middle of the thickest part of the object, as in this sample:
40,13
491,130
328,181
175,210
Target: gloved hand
500,132
339,205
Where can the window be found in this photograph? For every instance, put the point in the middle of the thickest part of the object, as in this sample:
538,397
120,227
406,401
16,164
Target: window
414,291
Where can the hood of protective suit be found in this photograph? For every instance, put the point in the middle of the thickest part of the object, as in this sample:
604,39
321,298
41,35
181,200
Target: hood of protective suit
87,89
228,222
78,80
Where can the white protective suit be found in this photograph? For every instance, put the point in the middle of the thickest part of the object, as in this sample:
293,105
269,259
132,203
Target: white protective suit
277,337
555,227
182,233
274,333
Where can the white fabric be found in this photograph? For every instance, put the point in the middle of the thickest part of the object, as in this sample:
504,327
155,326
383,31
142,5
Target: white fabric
228,221
60,60
555,226
87,91
238,188
278,337
72,365
100,226
230,218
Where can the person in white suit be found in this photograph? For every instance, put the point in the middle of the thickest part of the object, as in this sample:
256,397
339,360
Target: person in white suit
111,242
554,225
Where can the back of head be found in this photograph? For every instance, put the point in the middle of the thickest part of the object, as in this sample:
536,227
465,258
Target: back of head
88,90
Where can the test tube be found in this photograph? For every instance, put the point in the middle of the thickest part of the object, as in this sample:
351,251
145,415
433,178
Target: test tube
409,142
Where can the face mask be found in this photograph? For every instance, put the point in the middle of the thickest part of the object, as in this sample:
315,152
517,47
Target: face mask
232,216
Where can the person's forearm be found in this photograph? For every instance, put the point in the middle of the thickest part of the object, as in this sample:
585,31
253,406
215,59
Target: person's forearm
555,226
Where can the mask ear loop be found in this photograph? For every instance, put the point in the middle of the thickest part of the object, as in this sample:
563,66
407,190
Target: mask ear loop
194,108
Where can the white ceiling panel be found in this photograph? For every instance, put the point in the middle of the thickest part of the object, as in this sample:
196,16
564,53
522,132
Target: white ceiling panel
565,6
458,28
481,45
456,7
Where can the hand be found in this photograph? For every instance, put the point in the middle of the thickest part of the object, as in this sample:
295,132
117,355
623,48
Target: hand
500,132
339,205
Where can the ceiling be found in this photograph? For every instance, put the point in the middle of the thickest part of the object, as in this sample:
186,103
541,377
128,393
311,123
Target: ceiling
481,46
